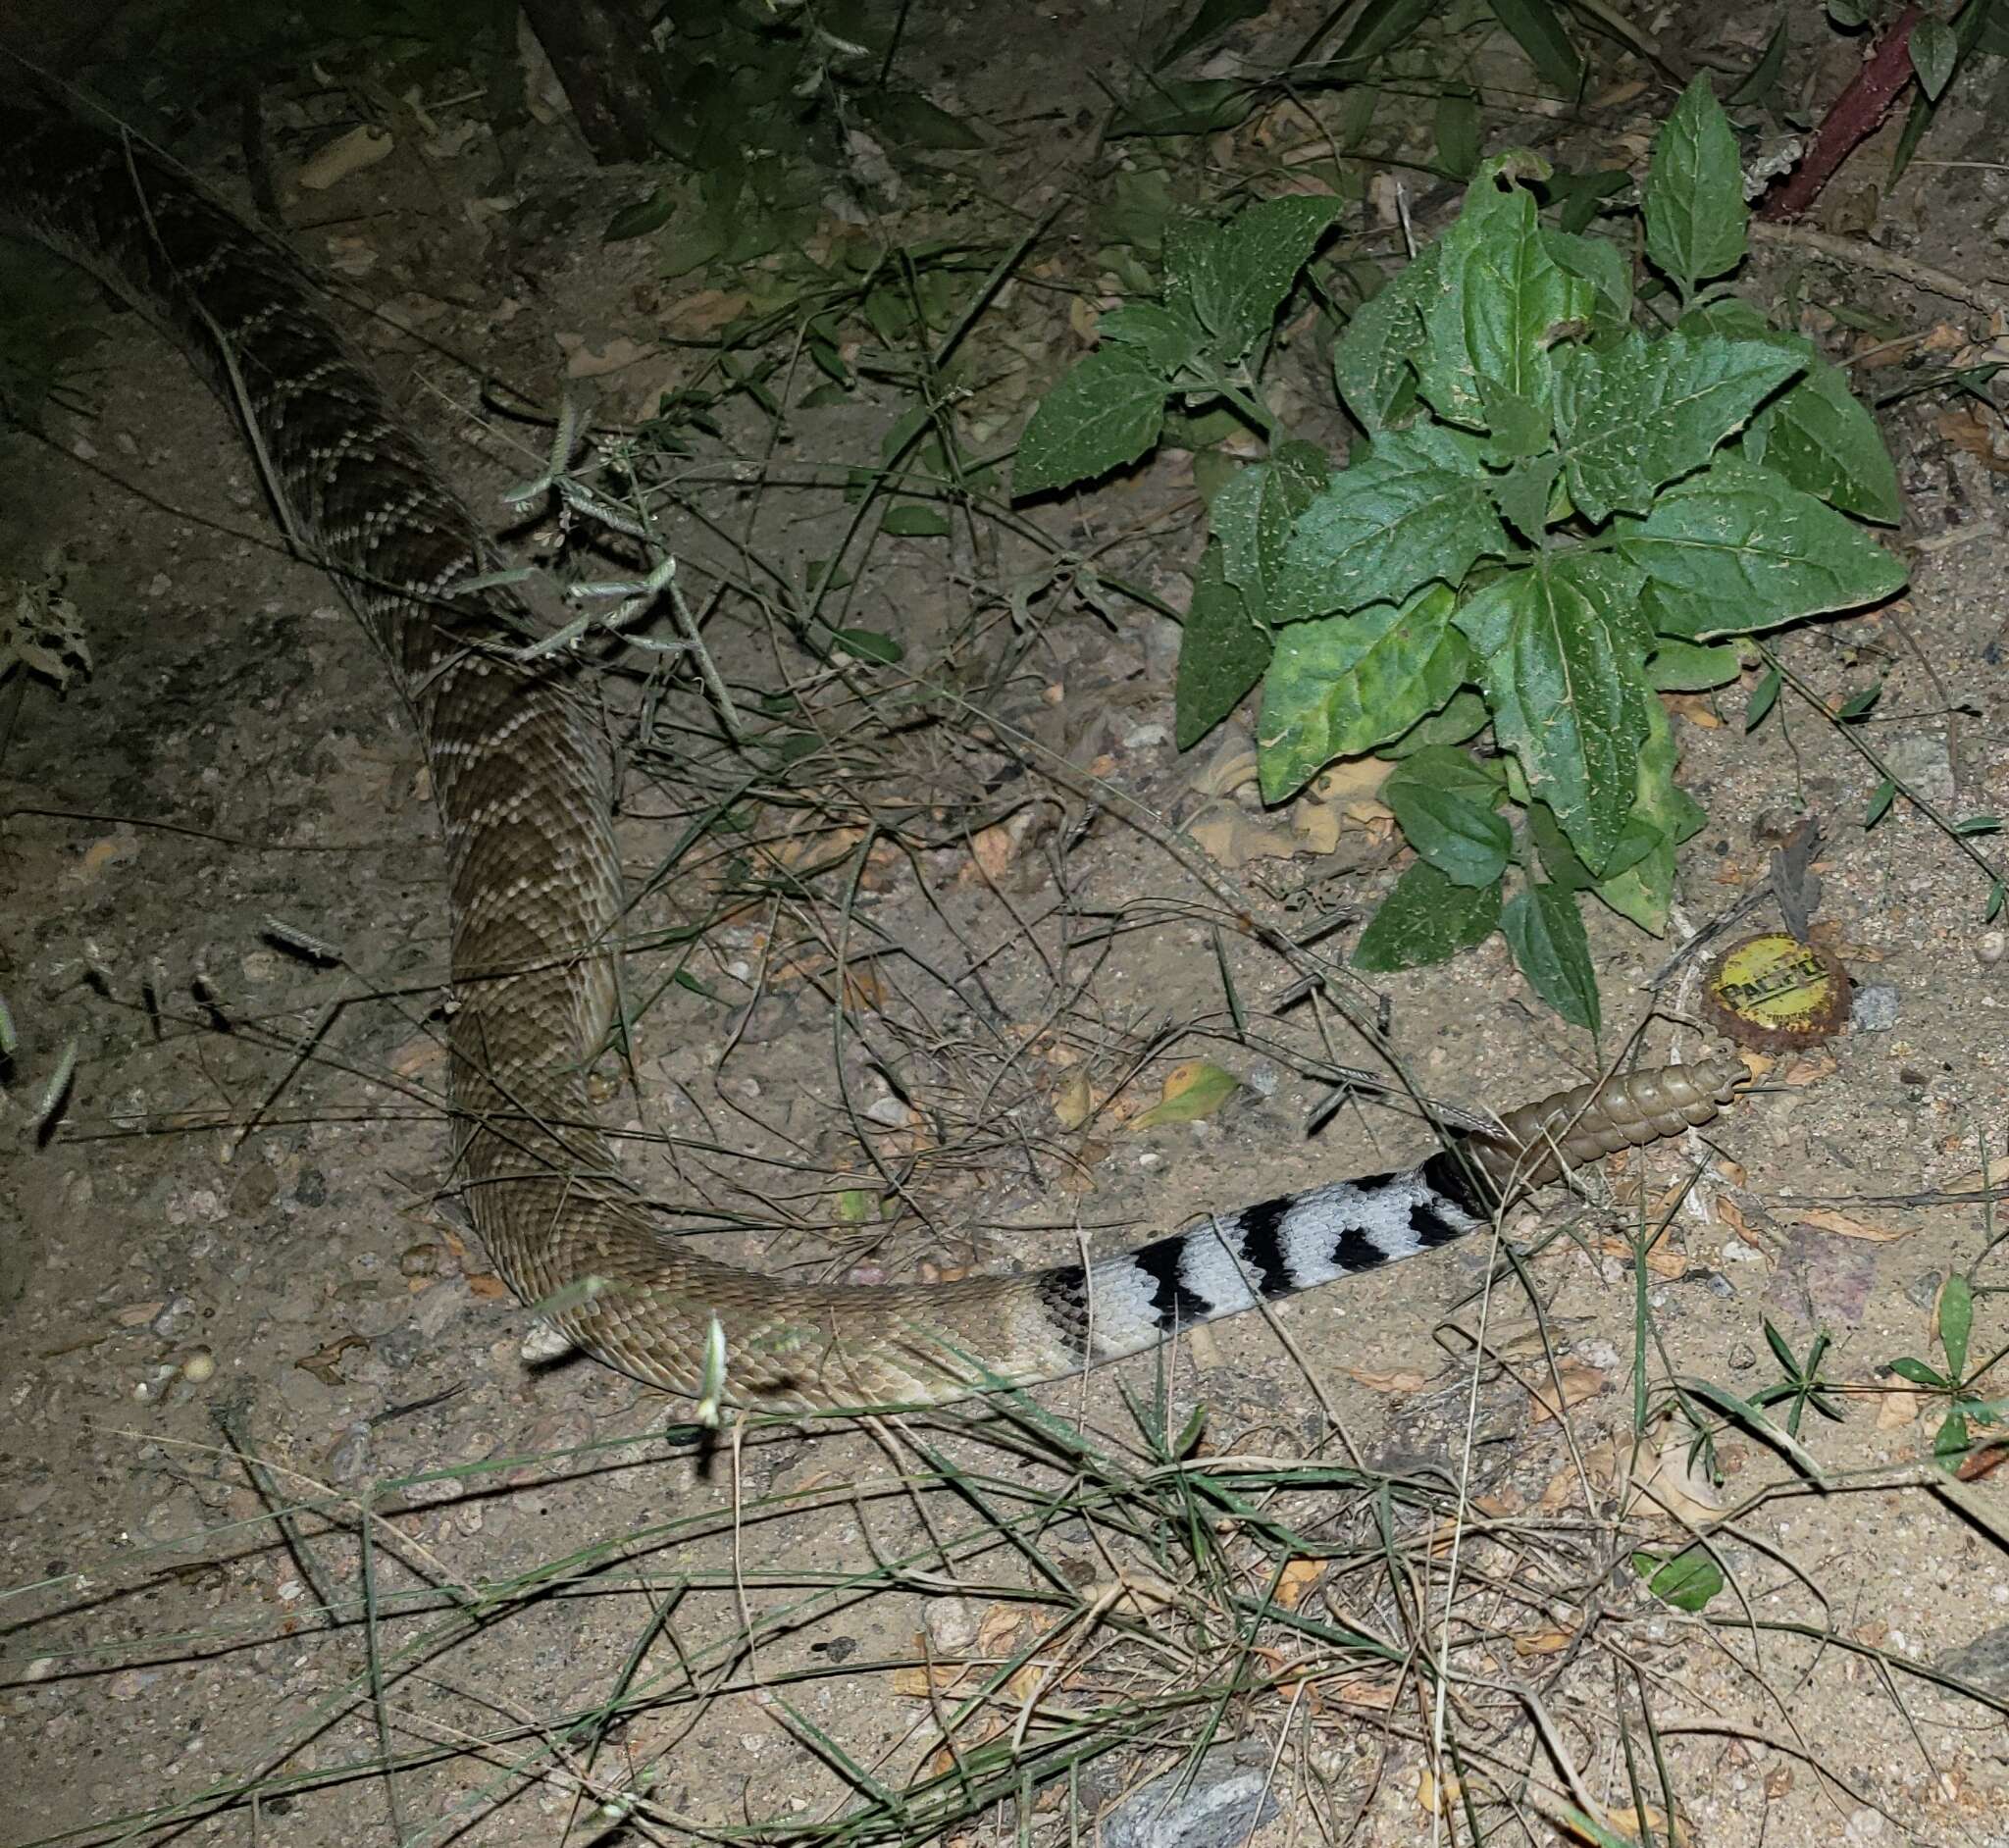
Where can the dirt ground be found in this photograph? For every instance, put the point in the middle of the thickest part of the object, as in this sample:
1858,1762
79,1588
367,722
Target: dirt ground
370,1576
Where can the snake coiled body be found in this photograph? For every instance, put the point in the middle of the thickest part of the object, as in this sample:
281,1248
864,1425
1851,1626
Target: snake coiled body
522,782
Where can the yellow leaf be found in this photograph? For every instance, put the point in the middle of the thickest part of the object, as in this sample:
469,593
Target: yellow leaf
1295,1579
1194,1088
1071,1101
1543,1642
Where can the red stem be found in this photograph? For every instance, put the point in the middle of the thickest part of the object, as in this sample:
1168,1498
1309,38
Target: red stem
1855,115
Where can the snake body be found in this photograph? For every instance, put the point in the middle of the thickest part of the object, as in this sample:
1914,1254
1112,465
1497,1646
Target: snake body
522,782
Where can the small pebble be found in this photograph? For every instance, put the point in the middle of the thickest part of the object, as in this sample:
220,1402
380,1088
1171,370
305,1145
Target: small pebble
199,1367
1991,947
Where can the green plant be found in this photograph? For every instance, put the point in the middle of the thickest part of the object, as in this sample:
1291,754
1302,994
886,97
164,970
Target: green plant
1556,515
1802,1385
1955,1437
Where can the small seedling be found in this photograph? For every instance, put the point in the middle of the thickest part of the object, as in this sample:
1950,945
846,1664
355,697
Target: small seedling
1952,1382
1802,1385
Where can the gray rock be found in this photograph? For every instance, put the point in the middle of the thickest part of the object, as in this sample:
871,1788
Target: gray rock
1874,1009
1225,1803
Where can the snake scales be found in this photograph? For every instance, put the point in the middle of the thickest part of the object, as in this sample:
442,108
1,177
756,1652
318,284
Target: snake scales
523,786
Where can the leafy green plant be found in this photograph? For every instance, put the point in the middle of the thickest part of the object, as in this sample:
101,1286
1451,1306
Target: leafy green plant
1687,1579
1802,1385
1556,515
1955,1437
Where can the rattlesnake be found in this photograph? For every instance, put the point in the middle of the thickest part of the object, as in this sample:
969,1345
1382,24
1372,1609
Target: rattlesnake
522,782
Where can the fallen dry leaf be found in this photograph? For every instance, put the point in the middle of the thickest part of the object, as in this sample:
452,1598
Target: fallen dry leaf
1074,1101
1662,1259
1974,1179
1896,1406
1400,1380
1827,1219
346,154
1543,1642
1295,1579
1669,1487
1578,1382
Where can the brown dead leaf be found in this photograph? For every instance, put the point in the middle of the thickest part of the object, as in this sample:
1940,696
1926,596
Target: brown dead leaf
1977,430
1073,1101
1662,1259
1827,1219
1974,1179
1550,1642
1808,1069
695,316
1696,708
324,1362
489,1287
1225,834
1398,1380
1578,1382
917,1682
1897,1408
1669,1487
998,1629
1296,1580
1362,1690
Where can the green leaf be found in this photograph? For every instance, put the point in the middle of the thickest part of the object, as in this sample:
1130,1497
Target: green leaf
1952,1441
1236,276
1517,427
1427,919
1457,132
1537,29
1559,858
1444,802
1372,360
1545,931
909,521
1956,1323
1101,415
1817,435
1692,667
1212,20
1643,890
1379,26
1921,1374
1462,716
1821,437
1342,685
1578,196
1933,55
1203,1087
1695,211
1185,106
908,119
869,645
1737,548
1170,338
1764,696
1561,646
1499,301
1600,263
1979,824
1527,495
640,218
1222,653
1644,413
1254,514
1763,77
1417,506
1687,1581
